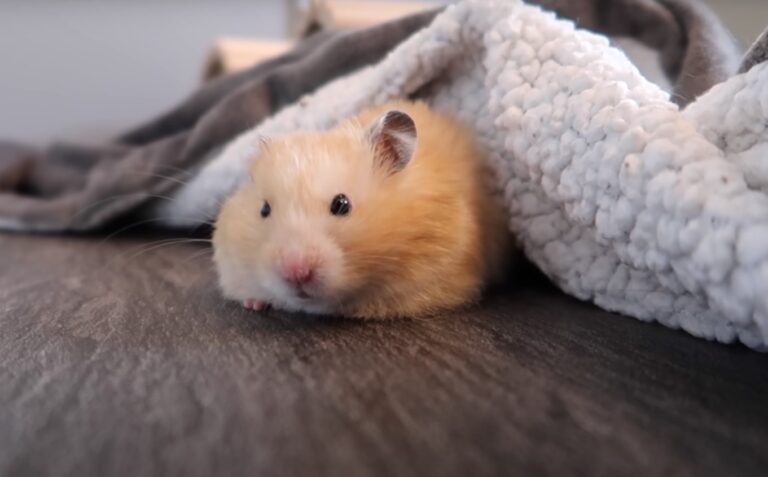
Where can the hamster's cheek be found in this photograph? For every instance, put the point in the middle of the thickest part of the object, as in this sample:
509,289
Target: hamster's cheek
237,281
234,284
332,275
342,282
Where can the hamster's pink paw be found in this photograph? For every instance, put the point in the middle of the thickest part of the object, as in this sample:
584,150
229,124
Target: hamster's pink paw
255,305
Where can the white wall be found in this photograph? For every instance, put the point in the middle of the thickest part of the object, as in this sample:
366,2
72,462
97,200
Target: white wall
80,68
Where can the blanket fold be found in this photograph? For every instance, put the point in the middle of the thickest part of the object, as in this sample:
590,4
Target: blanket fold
695,49
102,183
80,187
757,53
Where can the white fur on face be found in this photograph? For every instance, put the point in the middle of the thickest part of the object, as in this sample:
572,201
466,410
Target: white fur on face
258,276
299,185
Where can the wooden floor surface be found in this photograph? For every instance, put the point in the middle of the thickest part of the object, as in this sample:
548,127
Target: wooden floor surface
116,361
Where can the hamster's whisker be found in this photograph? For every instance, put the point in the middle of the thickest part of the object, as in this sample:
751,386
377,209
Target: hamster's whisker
161,176
180,170
160,244
126,228
132,225
144,248
86,208
174,200
205,253
93,204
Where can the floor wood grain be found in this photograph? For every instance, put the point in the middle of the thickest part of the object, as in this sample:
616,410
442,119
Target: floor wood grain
117,358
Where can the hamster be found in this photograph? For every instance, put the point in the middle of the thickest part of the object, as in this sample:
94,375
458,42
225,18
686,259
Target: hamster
389,214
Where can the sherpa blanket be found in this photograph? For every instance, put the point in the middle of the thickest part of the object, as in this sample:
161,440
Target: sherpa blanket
613,191
81,187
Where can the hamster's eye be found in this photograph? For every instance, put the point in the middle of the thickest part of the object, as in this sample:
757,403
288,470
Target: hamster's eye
266,209
340,205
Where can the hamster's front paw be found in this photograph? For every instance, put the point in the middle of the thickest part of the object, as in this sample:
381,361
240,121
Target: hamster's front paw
255,305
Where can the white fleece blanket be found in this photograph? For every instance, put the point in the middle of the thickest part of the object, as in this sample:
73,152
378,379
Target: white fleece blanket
617,195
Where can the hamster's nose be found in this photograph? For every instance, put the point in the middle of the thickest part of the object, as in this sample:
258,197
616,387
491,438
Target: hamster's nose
298,274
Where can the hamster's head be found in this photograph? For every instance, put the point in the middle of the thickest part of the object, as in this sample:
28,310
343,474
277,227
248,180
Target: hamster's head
316,226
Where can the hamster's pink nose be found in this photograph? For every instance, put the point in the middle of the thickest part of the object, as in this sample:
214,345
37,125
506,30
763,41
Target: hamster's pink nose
298,274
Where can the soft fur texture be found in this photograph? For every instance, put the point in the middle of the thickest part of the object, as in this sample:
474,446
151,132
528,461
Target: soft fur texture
615,193
425,231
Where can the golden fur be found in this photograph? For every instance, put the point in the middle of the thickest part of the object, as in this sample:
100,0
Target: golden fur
424,239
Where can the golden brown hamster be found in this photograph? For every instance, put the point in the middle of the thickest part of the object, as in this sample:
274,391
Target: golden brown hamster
389,214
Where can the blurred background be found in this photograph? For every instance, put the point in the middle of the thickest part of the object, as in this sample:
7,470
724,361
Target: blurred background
85,69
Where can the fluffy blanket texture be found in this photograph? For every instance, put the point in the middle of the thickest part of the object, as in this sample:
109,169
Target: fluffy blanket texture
614,192
75,187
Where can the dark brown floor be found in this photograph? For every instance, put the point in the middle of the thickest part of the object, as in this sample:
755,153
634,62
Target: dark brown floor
117,362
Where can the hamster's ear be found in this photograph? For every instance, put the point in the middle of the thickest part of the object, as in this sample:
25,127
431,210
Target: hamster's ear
393,138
